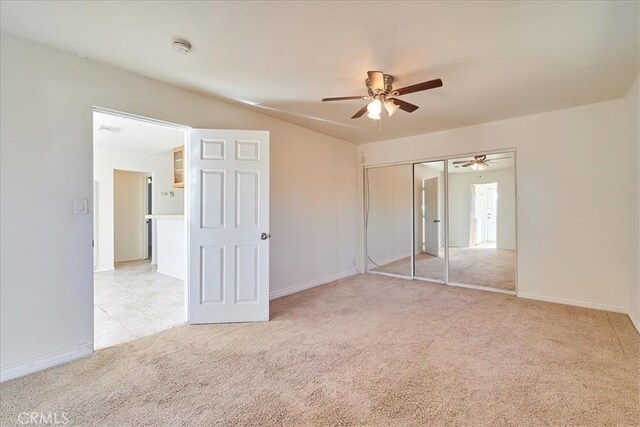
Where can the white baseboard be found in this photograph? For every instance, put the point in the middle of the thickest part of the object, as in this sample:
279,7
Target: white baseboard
575,302
101,270
311,284
23,368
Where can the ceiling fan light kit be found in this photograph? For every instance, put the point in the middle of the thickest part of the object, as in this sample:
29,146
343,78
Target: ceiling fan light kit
479,163
479,166
374,108
391,107
380,92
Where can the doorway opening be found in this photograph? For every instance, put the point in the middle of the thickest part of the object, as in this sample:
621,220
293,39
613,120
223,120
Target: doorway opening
483,221
139,228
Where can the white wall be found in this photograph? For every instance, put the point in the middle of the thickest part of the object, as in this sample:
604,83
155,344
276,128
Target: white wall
632,104
459,206
105,162
46,102
128,215
574,186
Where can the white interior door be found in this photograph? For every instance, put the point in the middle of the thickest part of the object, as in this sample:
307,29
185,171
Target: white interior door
492,213
228,226
432,220
481,213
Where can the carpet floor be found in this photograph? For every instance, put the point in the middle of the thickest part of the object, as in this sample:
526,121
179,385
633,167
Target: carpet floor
366,350
494,268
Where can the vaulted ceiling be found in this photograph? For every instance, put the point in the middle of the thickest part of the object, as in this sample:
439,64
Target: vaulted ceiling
497,59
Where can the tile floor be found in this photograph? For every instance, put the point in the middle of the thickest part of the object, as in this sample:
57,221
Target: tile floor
133,301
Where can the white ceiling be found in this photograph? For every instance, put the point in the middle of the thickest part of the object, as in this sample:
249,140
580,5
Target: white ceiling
497,59
137,138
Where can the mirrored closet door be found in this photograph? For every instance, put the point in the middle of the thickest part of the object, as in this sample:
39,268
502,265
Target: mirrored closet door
482,221
429,221
448,221
388,219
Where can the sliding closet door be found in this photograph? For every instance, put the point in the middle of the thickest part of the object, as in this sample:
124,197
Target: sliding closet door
429,221
388,224
482,221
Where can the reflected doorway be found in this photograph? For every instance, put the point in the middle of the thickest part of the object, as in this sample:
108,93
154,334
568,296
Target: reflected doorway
483,222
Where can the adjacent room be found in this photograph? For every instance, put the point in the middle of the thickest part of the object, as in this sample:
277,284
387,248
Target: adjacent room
139,228
372,213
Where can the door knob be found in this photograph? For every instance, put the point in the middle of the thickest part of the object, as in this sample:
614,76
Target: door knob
264,236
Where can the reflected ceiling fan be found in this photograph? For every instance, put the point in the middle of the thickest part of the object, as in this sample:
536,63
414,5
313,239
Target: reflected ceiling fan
478,163
382,93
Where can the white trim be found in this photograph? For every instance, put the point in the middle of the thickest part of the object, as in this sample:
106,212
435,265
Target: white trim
102,270
150,120
573,302
38,364
482,288
312,284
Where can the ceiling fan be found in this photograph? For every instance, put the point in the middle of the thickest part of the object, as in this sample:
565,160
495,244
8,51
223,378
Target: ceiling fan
478,163
382,93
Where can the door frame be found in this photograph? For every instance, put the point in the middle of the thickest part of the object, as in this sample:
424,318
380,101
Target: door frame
185,130
446,159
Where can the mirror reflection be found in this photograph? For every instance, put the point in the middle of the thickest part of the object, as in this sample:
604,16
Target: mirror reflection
429,220
482,226
388,213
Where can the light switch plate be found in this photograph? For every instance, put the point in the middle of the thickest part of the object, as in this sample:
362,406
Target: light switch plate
81,206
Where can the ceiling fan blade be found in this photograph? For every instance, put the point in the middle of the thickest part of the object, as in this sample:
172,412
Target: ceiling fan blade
360,112
431,84
499,158
404,105
466,165
376,79
459,162
342,98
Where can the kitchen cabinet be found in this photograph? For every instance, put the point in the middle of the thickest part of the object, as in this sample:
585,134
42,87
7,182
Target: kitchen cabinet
178,167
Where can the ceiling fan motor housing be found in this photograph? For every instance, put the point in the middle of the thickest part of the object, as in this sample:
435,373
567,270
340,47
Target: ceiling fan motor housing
388,86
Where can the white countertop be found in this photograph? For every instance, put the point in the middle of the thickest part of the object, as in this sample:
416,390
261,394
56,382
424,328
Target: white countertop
163,216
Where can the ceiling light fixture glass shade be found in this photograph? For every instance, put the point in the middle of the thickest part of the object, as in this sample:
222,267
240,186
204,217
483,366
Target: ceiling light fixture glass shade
391,107
479,166
374,109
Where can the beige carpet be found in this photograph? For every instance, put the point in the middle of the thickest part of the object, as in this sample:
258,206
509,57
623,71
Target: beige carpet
494,268
367,350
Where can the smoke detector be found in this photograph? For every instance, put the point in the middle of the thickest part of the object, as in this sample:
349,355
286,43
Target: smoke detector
181,46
